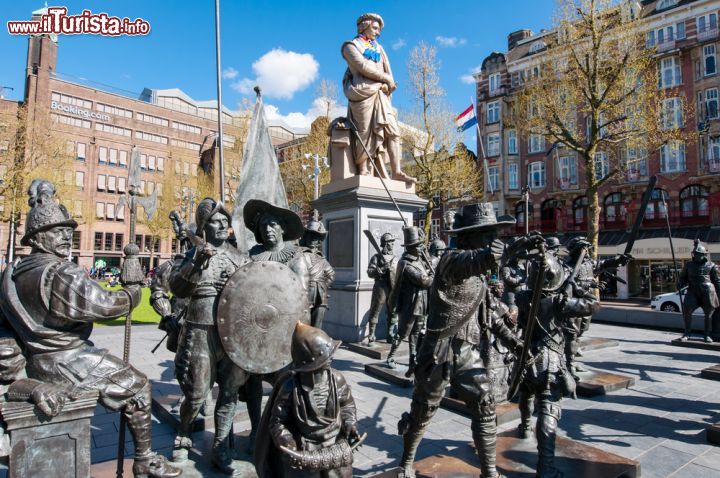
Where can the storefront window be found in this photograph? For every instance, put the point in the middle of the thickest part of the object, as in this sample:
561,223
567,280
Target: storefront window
580,206
694,201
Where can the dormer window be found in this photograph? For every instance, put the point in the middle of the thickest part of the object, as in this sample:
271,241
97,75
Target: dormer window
663,4
538,46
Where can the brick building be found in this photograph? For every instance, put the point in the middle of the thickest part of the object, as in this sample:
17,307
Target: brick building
101,126
684,34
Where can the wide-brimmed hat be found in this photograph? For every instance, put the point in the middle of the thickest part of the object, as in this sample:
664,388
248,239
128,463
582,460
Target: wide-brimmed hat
255,209
412,236
478,217
316,228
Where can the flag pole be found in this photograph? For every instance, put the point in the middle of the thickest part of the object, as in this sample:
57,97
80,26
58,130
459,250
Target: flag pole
482,147
221,165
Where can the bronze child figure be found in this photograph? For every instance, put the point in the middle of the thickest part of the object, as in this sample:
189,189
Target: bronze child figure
309,426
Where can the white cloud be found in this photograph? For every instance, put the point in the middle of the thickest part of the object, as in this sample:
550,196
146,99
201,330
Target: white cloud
398,44
450,42
281,74
229,73
298,119
468,78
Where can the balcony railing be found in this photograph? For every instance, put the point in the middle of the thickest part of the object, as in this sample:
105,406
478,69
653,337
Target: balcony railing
496,92
634,175
707,34
695,217
667,45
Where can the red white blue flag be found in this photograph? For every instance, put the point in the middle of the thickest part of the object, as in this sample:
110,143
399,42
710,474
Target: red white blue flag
466,119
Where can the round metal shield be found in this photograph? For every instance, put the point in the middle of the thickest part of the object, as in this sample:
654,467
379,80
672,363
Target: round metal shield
257,312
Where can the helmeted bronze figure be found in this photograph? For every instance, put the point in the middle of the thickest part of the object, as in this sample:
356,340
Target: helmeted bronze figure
546,378
437,249
201,361
459,317
382,268
309,426
321,274
701,276
409,295
51,304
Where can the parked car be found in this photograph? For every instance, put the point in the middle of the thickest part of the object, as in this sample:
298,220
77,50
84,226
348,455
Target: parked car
669,302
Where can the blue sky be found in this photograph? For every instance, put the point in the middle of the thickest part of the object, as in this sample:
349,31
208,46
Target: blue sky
288,45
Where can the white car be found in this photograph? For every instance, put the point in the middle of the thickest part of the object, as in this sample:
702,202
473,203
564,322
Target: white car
669,302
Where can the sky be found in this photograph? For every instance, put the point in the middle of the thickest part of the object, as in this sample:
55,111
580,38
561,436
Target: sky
287,47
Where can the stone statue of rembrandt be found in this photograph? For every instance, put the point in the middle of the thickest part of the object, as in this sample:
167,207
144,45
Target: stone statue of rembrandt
368,85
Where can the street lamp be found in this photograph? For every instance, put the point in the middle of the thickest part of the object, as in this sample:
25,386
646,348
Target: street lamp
319,163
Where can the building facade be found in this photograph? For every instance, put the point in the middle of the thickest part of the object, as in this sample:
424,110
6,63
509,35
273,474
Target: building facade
684,36
174,134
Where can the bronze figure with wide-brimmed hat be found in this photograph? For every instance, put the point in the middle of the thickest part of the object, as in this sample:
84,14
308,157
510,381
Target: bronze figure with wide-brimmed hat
321,274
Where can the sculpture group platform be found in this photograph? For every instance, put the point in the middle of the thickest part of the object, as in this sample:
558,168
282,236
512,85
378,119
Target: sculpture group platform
517,458
696,343
711,373
396,375
505,412
377,350
598,382
596,343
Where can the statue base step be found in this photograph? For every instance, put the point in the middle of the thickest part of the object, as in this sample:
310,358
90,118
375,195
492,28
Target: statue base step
378,350
198,464
596,382
517,458
711,373
696,343
395,376
596,343
713,433
505,412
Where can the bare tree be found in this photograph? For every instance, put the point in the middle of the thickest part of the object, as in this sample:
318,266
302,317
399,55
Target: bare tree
442,169
595,92
327,93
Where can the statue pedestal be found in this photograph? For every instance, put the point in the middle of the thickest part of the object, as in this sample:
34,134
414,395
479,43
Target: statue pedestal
349,206
597,382
59,446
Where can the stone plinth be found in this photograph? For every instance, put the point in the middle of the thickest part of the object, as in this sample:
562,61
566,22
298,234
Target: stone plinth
395,376
596,343
597,382
378,350
363,204
517,458
711,373
696,343
45,447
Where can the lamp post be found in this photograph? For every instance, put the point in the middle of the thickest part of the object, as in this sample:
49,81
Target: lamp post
319,163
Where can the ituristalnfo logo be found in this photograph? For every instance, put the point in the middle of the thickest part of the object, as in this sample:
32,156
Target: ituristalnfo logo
57,21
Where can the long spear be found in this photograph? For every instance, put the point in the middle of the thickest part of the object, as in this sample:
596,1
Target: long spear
672,252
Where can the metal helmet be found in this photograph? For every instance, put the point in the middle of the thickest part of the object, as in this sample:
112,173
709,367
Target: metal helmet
437,246
554,276
577,243
44,212
387,237
205,210
311,348
552,243
699,249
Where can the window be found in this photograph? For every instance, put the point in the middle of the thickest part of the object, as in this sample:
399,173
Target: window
80,180
493,112
537,46
493,144
710,60
694,201
102,155
580,206
120,213
536,174
493,178
108,241
568,171
614,209
672,114
77,208
714,148
494,83
512,142
100,210
665,37
108,128
98,241
669,72
656,208
663,4
602,165
151,119
706,23
113,110
121,184
151,137
513,179
110,210
70,121
635,163
160,164
113,156
520,212
143,161
77,235
186,127
711,103
111,183
185,144
71,100
151,163
549,212
123,159
101,182
536,143
119,241
672,157
81,151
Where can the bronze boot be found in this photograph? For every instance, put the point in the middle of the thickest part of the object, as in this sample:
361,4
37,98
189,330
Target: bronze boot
484,432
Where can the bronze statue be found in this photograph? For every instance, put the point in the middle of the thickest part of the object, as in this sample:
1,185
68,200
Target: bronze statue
459,318
437,249
542,374
321,273
382,268
514,277
585,286
368,85
201,359
309,426
409,295
51,304
702,279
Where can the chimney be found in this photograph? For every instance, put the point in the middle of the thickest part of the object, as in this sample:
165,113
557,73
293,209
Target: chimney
517,36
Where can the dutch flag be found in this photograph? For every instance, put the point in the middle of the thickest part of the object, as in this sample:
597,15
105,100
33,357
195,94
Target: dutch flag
466,119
